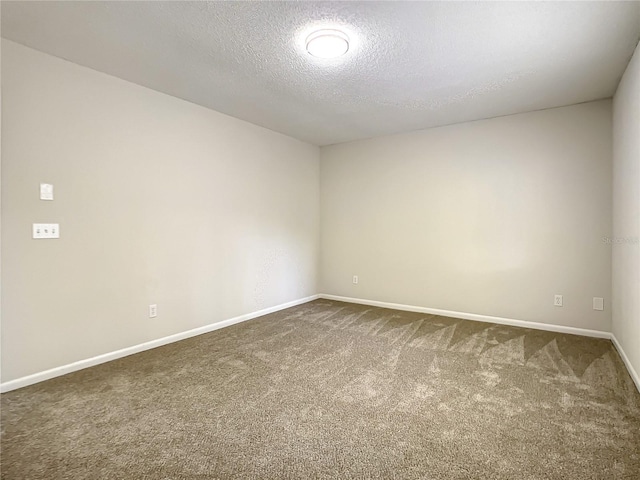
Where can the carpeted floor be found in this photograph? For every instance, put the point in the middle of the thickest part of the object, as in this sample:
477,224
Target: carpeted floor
335,390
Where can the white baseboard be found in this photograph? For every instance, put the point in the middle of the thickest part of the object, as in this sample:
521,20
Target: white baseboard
627,363
90,362
500,320
474,316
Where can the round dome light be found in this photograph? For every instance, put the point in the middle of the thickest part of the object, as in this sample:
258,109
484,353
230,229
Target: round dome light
327,44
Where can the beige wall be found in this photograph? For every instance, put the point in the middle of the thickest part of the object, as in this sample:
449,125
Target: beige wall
158,200
626,212
491,217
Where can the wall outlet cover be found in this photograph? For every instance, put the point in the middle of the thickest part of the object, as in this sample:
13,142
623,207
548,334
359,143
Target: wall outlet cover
598,303
557,301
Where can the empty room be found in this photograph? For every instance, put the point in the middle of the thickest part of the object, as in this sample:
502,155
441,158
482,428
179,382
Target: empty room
320,240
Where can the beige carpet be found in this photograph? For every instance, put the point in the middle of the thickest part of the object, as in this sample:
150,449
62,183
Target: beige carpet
335,390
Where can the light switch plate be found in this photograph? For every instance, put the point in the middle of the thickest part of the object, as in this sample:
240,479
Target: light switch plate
46,230
46,191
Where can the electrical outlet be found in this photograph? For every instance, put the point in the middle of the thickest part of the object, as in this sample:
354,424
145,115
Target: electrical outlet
355,279
557,301
153,311
598,303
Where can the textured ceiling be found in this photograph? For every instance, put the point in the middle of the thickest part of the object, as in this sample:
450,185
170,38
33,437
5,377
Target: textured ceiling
411,65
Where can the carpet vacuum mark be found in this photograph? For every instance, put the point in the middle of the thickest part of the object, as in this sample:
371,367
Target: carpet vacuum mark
336,390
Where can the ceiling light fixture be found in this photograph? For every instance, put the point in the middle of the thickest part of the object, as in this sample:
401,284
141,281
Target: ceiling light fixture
327,43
